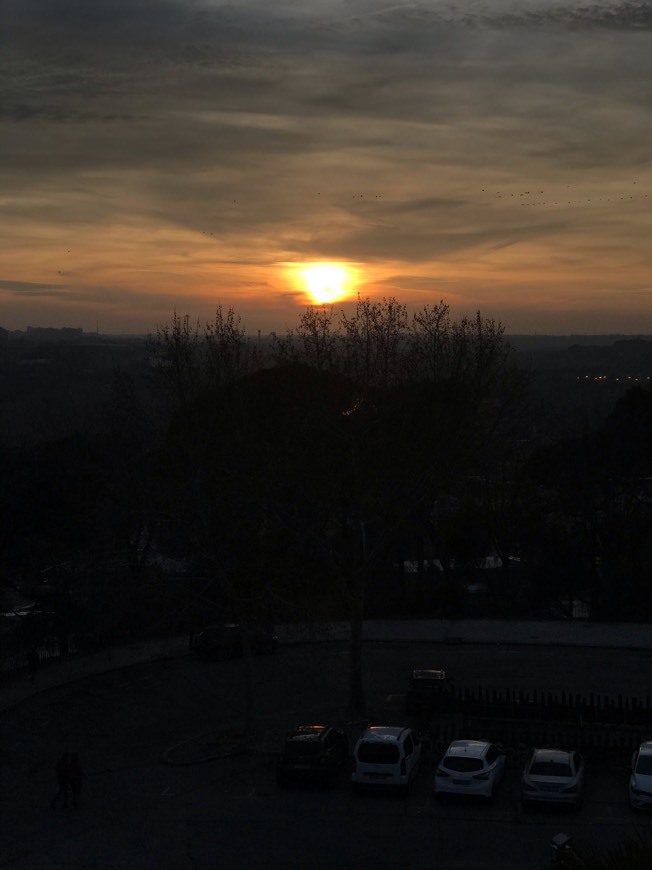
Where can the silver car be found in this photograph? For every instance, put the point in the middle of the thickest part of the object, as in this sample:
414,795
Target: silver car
640,781
470,767
554,776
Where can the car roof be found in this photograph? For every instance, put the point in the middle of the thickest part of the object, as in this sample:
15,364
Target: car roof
473,748
229,627
388,733
308,732
428,674
552,754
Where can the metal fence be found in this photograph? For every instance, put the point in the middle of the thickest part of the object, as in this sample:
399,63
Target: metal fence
566,707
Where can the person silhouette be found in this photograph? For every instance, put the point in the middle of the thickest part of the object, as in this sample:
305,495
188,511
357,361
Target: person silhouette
75,776
33,662
62,770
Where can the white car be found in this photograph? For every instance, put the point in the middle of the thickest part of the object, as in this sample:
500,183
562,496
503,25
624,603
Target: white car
470,767
554,776
640,781
386,756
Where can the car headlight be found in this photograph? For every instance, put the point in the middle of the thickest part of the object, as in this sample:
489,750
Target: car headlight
570,789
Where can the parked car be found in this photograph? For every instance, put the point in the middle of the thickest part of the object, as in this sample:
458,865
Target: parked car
470,767
554,775
218,642
311,753
386,756
640,781
425,689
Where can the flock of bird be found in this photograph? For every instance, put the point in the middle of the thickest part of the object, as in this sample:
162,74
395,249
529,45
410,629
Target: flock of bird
527,197
532,198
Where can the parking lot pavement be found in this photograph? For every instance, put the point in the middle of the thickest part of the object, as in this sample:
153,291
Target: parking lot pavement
15,688
138,811
334,827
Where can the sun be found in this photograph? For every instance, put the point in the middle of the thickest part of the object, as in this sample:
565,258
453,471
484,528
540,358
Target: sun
326,282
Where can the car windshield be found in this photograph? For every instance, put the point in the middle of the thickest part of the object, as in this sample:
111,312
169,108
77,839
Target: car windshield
644,765
462,764
378,753
302,748
551,768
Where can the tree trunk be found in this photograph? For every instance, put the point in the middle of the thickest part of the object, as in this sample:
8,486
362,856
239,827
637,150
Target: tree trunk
248,660
357,704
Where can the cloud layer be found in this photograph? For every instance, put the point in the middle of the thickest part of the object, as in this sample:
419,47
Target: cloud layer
493,153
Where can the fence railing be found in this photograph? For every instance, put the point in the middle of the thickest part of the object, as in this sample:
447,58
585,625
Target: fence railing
568,707
600,743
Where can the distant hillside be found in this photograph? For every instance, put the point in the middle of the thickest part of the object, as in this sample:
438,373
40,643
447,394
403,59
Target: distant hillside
593,356
53,382
559,342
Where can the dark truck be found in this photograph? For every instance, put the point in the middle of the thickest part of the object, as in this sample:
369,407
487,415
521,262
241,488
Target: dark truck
425,689
312,753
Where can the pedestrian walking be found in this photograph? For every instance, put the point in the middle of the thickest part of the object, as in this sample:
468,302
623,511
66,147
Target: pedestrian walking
33,662
62,770
75,776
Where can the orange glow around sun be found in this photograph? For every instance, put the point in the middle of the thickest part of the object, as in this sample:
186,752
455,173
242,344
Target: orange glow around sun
325,283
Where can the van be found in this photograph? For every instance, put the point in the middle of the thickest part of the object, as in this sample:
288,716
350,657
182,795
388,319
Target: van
387,756
426,689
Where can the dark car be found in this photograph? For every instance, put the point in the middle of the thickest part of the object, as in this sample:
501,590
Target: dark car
425,690
219,642
311,753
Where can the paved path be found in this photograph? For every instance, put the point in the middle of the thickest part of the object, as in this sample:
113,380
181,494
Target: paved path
619,635
17,687
55,672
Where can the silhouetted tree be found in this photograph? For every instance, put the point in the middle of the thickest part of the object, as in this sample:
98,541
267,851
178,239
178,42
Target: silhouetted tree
248,468
187,359
598,490
337,454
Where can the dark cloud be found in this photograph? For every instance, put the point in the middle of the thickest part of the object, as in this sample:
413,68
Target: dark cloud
416,241
23,112
636,14
104,295
627,14
31,288
263,132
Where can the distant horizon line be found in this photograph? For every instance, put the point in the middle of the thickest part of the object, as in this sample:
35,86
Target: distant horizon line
260,334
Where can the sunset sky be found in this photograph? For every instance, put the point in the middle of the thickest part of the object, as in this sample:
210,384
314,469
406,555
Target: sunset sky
176,154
